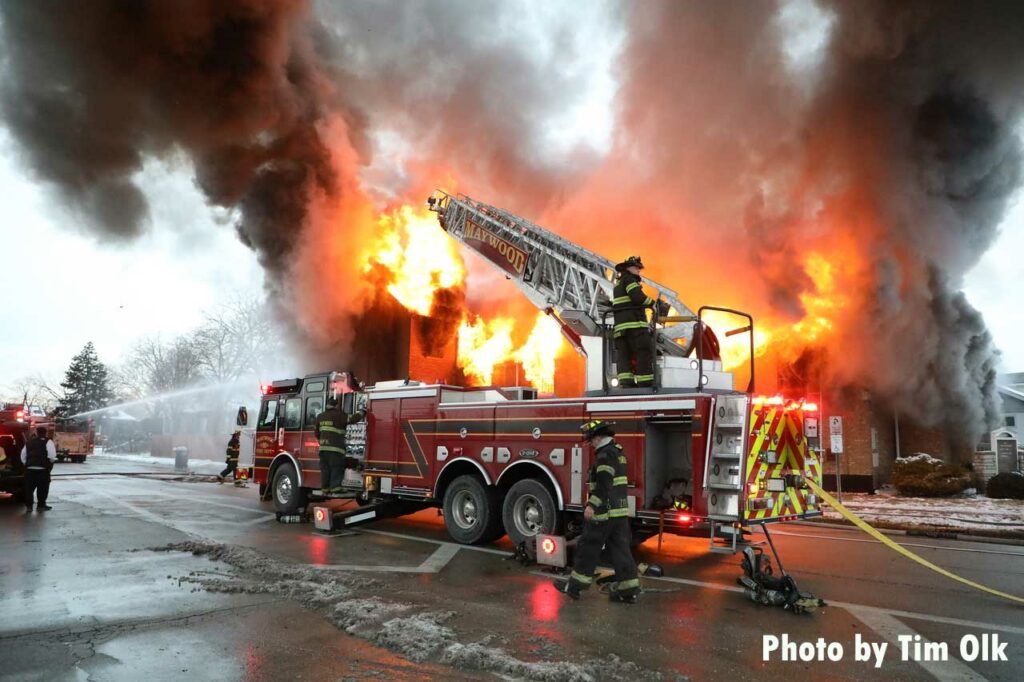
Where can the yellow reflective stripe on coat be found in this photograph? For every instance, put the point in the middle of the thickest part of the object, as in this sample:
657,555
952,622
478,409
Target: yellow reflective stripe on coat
889,542
620,480
619,300
331,429
628,584
599,517
618,513
632,285
607,468
594,500
630,325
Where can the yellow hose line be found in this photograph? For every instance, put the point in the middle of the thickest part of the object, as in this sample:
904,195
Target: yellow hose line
885,540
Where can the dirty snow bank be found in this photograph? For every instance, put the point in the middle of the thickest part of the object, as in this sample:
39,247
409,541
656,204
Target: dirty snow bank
345,600
961,513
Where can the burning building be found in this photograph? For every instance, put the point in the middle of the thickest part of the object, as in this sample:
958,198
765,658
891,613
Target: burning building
832,167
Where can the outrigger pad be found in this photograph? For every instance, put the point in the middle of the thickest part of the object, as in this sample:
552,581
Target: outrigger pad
762,587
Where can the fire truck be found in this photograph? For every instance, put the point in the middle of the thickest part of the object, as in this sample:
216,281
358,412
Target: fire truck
704,455
74,439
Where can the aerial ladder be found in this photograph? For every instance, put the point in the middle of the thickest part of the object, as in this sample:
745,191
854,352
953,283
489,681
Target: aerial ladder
574,285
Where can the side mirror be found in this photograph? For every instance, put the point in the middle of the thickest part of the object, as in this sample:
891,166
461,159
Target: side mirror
243,416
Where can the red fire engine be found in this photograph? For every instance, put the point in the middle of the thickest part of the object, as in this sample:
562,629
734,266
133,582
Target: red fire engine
702,454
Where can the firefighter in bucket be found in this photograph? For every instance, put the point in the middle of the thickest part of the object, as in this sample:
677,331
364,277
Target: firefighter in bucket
607,522
634,344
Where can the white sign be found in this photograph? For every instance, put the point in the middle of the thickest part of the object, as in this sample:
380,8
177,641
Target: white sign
836,444
835,426
811,427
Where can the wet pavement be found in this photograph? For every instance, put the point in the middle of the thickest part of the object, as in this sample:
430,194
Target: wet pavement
84,596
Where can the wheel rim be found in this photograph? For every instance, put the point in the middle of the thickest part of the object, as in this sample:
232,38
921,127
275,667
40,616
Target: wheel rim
283,489
528,515
464,510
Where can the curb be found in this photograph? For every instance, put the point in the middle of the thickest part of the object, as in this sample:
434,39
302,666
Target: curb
940,535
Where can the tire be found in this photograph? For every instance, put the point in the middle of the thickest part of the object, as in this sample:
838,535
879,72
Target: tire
79,459
289,498
529,509
263,490
472,511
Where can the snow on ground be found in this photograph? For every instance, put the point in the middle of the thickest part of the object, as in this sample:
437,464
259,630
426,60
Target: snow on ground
364,607
199,466
962,513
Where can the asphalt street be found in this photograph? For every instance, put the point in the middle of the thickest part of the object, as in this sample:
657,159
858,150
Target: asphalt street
132,576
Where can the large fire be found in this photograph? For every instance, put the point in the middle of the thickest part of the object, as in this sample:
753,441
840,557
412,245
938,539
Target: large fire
421,260
420,257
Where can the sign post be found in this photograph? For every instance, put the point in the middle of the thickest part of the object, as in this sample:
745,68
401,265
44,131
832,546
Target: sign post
835,430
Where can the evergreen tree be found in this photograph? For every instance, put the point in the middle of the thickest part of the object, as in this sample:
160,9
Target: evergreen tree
86,386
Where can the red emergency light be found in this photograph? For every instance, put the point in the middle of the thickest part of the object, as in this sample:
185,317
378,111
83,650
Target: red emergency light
810,407
685,518
548,546
320,513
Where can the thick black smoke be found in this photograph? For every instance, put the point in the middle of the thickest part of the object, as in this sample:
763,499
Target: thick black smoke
892,151
92,89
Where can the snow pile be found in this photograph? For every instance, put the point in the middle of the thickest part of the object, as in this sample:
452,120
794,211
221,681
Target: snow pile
920,457
348,602
962,513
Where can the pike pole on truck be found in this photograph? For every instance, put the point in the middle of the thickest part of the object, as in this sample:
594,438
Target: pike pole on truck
704,456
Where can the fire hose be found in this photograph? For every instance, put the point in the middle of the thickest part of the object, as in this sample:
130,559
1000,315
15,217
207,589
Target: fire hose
889,542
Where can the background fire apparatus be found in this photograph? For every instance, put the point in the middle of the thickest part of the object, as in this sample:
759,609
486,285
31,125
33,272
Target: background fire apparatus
703,455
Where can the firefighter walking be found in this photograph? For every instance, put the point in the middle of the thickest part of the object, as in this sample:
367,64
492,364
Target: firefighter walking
633,339
231,457
330,432
607,522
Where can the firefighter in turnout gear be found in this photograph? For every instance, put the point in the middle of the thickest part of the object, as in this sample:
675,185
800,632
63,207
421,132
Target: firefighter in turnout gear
633,340
231,457
330,432
607,522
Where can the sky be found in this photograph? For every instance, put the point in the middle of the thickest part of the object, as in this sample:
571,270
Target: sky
64,288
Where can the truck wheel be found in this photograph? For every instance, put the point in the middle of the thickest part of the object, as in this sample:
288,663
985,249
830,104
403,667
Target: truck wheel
472,511
529,509
289,498
80,459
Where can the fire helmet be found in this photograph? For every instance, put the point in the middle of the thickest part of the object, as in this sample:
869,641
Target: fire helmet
596,427
630,262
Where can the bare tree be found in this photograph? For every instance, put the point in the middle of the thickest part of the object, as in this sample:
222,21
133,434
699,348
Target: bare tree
35,390
235,339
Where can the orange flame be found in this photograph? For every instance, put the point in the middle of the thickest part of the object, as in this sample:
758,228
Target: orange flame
420,260
482,345
538,353
419,255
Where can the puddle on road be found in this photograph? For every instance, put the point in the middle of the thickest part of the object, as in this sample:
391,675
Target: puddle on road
348,602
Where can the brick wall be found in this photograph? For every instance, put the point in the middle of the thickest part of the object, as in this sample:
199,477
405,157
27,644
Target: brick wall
869,441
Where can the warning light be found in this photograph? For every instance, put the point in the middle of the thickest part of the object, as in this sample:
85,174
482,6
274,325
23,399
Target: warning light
685,518
320,514
753,488
551,550
810,407
776,400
